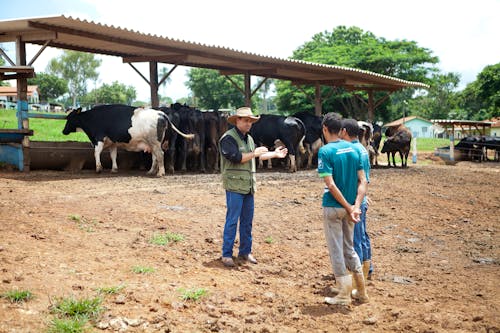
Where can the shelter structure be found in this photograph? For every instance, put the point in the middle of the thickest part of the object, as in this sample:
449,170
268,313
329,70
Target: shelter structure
133,47
450,125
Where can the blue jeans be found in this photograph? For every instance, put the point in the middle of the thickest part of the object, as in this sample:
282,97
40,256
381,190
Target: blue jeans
239,207
362,244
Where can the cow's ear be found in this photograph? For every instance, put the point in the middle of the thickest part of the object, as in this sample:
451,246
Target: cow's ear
79,110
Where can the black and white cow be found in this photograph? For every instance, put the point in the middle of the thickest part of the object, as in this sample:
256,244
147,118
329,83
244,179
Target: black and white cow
289,130
116,126
313,140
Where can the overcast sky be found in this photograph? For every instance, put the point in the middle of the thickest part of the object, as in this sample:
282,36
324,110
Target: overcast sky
464,34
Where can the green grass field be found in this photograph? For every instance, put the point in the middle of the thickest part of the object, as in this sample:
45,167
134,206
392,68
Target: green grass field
51,130
43,129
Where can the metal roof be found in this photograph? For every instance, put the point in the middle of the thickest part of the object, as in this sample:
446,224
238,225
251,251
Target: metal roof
460,122
133,46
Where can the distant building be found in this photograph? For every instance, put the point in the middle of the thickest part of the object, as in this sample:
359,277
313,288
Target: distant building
495,127
419,127
8,96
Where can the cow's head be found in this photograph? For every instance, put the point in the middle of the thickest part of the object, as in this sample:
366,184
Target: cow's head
72,121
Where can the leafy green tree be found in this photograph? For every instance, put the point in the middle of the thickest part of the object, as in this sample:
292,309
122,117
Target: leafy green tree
115,93
214,91
481,98
76,68
437,103
51,86
352,47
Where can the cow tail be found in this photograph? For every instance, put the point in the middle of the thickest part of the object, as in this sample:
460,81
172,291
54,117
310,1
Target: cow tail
302,149
187,136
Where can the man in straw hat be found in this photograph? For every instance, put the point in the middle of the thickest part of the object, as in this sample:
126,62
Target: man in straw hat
238,154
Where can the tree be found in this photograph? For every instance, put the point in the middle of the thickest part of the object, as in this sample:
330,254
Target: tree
51,86
214,91
481,98
76,68
352,47
115,93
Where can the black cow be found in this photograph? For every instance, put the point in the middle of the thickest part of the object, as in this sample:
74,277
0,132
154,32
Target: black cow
122,126
289,130
171,137
212,121
400,142
191,153
313,140
375,143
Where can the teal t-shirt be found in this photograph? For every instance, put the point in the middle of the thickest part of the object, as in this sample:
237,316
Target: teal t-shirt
339,160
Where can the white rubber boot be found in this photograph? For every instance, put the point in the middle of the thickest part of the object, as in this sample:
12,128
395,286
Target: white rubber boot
344,295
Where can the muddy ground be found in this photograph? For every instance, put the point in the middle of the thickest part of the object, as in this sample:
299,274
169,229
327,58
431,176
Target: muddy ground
434,230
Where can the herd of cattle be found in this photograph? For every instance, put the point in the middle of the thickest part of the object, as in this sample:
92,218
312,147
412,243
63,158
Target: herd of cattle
183,138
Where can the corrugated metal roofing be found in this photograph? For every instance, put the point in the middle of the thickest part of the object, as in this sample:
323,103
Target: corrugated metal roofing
134,46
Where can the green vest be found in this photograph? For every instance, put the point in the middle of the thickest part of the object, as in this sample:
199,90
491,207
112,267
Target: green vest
239,177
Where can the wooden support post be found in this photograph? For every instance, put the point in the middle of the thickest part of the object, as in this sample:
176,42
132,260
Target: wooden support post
248,90
153,83
371,106
22,105
317,100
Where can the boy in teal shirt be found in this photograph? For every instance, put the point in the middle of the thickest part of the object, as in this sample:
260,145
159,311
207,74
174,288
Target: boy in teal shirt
345,187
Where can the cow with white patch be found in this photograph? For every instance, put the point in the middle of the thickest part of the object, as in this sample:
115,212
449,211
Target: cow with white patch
122,126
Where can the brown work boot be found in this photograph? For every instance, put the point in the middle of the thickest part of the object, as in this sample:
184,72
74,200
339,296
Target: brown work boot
248,257
228,261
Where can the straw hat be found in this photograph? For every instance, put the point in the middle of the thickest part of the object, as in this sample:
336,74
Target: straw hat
245,112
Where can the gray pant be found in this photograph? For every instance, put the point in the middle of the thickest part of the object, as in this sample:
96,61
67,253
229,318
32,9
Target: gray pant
339,238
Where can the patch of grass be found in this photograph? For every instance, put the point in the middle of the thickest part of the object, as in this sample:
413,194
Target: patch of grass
143,269
192,294
68,325
83,223
43,129
82,309
166,238
110,290
269,240
17,296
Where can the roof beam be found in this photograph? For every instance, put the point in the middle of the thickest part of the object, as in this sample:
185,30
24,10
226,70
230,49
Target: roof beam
262,71
170,59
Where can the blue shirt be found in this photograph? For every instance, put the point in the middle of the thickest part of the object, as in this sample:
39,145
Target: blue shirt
339,160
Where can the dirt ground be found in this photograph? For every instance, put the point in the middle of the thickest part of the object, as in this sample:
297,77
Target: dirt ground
434,231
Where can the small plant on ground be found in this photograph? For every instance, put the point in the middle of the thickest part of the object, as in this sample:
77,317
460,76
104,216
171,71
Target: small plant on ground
142,270
166,238
72,315
192,294
87,308
17,296
110,290
83,223
269,240
68,325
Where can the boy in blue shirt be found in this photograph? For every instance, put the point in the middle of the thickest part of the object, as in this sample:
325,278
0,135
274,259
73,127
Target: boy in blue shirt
345,187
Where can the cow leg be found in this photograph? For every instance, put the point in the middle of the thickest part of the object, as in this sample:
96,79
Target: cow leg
154,164
113,152
293,164
97,155
158,164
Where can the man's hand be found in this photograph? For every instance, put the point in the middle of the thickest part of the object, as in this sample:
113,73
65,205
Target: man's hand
259,151
355,214
281,152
